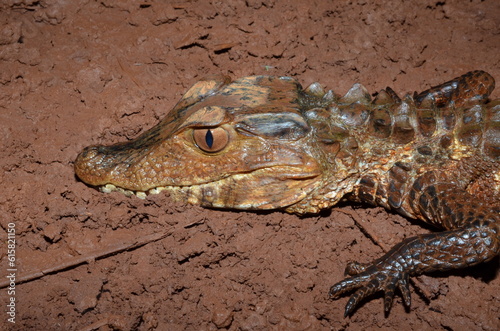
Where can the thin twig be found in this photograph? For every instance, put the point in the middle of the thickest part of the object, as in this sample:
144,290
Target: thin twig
92,256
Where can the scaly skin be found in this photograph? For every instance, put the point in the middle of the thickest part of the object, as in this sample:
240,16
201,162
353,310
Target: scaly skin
266,143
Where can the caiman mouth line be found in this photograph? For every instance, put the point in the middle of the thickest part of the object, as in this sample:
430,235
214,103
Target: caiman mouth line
109,188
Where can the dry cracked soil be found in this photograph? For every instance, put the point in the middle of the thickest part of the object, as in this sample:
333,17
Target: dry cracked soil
76,73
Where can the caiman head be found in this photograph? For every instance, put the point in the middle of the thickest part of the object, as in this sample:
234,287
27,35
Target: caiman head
244,144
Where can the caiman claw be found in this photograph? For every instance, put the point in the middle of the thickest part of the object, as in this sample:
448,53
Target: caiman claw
381,276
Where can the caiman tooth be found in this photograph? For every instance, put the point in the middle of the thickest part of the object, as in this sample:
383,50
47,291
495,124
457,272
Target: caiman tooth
357,93
108,188
126,192
157,190
141,195
315,89
154,190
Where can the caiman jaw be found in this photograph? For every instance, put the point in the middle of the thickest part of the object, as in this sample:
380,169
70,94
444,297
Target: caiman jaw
266,188
238,145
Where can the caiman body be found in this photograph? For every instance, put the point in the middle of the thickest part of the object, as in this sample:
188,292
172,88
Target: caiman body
266,143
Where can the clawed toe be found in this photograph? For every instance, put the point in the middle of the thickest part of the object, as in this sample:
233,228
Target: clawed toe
370,281
354,268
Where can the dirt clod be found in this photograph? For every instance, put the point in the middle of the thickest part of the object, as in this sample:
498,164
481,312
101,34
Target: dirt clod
76,73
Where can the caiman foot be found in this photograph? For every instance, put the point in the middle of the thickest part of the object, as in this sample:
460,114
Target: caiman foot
384,275
477,242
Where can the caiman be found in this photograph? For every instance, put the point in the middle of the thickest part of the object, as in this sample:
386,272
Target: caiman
264,142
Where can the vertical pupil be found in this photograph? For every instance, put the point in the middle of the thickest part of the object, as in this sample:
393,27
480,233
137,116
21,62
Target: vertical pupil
209,138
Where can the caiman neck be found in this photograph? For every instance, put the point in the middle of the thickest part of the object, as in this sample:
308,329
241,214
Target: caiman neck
345,145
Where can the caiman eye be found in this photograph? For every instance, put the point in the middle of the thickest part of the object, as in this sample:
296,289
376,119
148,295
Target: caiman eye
211,140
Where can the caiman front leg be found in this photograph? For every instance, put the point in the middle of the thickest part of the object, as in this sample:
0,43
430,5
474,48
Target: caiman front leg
472,237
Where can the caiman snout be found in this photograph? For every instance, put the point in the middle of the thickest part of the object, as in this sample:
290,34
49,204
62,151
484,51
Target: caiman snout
92,165
101,165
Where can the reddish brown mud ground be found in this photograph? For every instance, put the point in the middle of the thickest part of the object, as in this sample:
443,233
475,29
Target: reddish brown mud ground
75,73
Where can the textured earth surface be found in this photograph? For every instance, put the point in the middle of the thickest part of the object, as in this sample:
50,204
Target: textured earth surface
76,73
